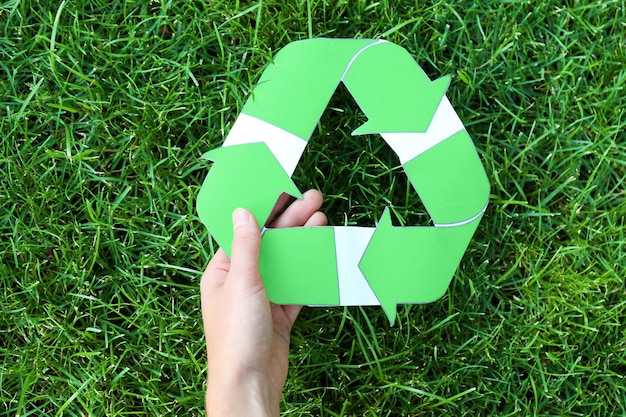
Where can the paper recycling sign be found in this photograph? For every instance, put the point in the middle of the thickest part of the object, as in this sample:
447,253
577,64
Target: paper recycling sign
346,265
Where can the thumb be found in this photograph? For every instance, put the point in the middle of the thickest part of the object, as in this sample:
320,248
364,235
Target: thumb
246,245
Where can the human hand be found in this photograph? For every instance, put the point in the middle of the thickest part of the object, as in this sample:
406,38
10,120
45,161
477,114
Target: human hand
247,336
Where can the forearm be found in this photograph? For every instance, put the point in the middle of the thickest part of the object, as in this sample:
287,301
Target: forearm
243,397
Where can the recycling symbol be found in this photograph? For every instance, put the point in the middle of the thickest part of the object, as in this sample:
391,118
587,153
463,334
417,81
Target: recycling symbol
349,265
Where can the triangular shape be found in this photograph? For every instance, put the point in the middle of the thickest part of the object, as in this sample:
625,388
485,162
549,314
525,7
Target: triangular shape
339,165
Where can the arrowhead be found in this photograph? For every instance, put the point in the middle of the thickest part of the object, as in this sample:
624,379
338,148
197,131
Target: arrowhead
375,269
408,116
246,176
411,265
393,91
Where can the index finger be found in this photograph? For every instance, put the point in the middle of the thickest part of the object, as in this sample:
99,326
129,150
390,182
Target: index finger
300,211
216,271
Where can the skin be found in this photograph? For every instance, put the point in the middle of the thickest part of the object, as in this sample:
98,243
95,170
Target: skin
247,336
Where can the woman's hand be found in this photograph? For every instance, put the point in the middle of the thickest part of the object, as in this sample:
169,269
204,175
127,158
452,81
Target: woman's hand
247,336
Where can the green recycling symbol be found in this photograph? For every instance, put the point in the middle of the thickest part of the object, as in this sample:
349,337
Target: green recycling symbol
348,265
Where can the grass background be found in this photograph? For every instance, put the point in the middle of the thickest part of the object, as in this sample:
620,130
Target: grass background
106,106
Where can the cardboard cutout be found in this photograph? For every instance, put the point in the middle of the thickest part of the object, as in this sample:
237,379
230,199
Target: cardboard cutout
344,265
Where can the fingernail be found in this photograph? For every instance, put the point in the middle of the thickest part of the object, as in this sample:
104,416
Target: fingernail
240,217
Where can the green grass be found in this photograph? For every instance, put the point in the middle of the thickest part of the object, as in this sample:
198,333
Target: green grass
105,108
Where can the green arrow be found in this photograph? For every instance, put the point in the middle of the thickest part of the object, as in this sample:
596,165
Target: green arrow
413,264
299,266
242,176
393,91
293,92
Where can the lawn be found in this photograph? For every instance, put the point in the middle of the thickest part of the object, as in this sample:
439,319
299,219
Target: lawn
106,108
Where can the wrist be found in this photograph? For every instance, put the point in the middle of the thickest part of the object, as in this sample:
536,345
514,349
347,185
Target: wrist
240,396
